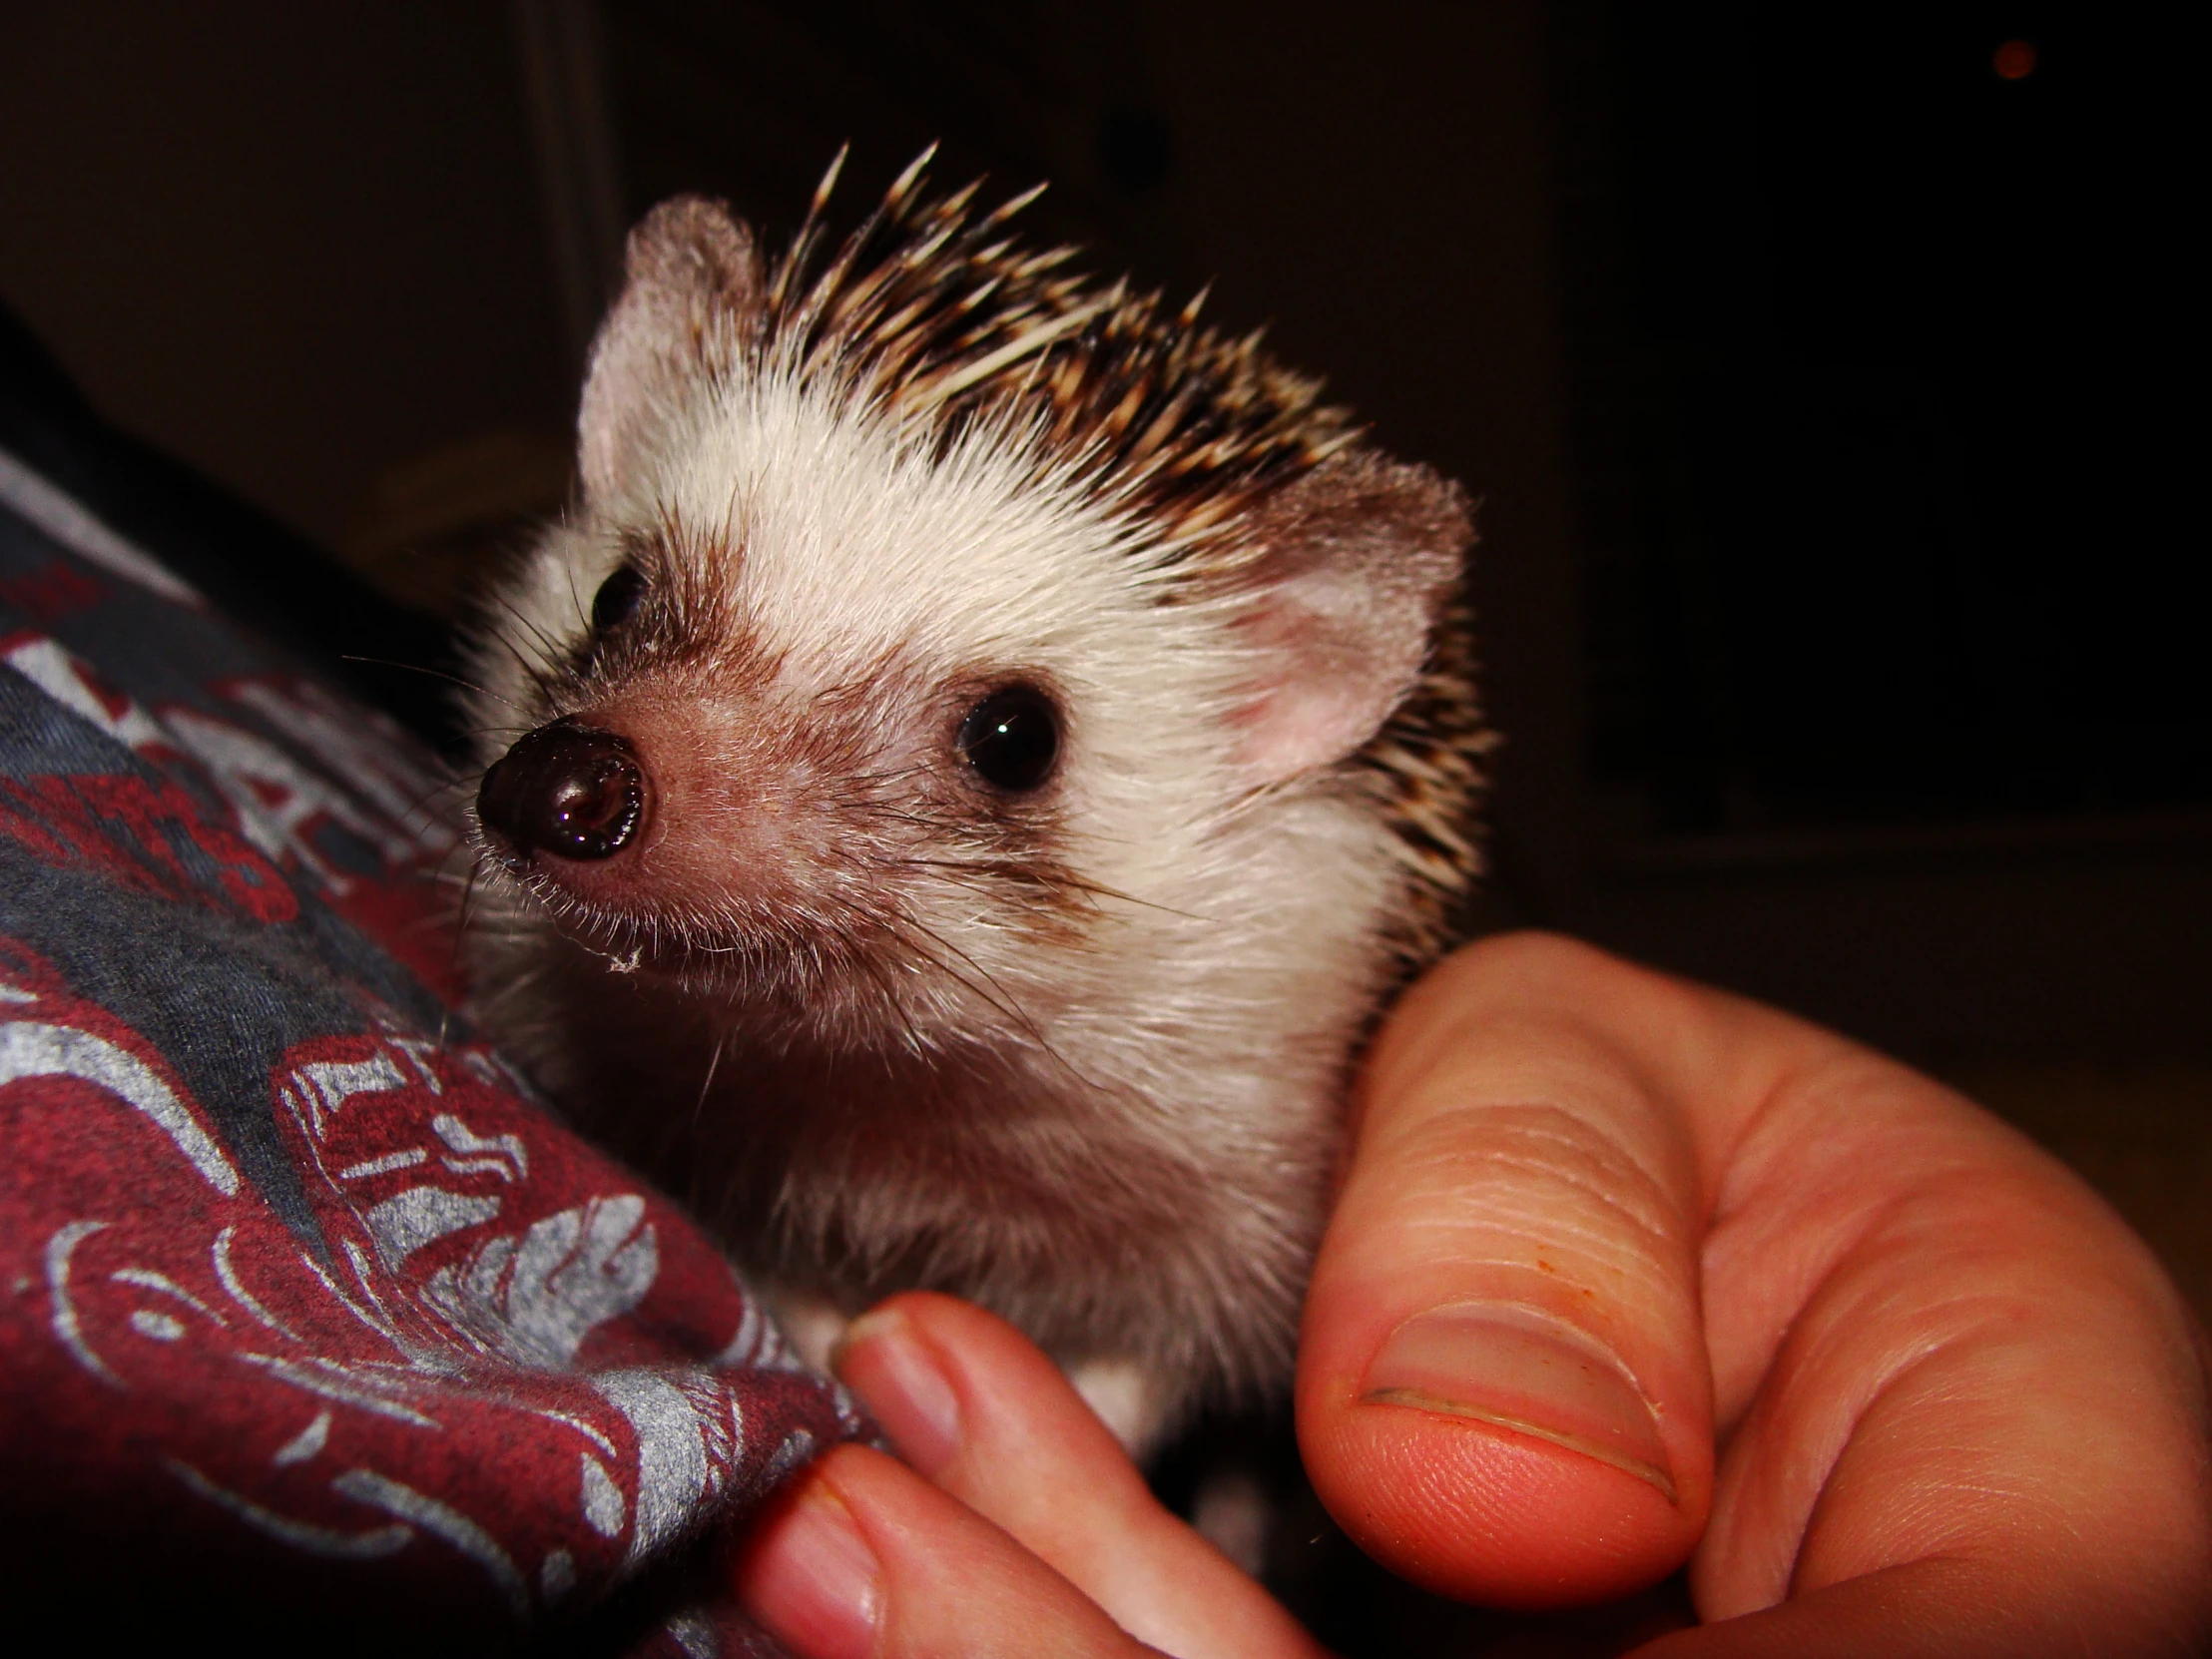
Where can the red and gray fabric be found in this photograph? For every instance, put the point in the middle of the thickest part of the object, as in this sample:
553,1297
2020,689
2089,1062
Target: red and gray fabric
318,1330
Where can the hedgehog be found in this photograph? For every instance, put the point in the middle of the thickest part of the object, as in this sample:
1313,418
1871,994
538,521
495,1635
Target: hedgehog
959,787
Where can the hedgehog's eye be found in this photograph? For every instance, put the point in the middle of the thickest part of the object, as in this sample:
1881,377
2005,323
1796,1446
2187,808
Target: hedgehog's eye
1011,737
616,602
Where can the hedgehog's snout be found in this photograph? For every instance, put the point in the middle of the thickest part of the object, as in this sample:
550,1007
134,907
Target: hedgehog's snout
568,790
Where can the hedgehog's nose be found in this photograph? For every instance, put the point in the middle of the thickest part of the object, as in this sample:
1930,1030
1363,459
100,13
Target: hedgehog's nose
565,790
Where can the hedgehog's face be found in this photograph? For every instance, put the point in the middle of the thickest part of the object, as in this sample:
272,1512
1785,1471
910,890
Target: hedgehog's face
823,723
835,720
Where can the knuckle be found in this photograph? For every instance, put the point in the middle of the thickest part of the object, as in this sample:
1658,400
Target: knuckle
1540,1185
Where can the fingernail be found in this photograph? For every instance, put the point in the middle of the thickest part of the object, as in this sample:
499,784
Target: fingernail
811,1581
900,1378
1524,1371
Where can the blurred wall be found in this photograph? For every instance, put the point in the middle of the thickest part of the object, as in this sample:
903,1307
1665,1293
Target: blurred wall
297,245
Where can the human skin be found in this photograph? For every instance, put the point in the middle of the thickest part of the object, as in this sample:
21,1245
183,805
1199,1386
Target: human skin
1624,1273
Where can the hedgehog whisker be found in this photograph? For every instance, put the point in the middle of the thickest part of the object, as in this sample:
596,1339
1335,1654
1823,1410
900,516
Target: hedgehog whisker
546,643
1053,879
530,671
1008,1006
714,1063
428,672
468,899
916,1043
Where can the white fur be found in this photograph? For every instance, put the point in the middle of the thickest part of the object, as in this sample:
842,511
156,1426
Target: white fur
1202,1022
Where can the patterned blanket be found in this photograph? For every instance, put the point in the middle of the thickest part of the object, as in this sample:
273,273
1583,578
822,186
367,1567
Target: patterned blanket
318,1329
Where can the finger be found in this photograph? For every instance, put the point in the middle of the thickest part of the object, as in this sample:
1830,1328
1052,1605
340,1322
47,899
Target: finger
1942,1347
973,1405
1958,1394
1502,1384
865,1559
1939,1607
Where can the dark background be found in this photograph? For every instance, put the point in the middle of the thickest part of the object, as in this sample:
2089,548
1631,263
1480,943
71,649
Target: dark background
1830,397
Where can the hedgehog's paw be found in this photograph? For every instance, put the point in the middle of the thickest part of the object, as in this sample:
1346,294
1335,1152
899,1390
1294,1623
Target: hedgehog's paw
1128,1399
812,1323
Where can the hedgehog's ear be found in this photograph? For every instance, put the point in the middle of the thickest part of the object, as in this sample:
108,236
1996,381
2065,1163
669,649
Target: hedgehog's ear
1359,558
692,287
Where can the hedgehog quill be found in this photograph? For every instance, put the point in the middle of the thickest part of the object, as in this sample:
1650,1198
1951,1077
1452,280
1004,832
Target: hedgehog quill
968,773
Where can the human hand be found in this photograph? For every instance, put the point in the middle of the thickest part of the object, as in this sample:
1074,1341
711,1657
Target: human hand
1596,1222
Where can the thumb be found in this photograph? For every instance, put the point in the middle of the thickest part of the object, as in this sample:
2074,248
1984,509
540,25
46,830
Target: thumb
1503,1390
